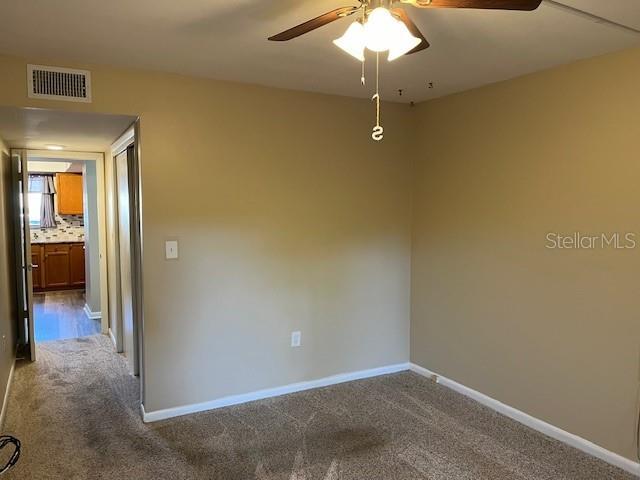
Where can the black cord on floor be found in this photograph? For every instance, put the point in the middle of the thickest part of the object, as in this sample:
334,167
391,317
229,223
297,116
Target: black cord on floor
4,441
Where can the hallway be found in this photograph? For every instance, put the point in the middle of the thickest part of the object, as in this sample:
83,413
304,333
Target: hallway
60,315
76,411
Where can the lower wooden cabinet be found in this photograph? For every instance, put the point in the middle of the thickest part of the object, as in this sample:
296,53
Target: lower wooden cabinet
56,265
76,264
60,266
37,266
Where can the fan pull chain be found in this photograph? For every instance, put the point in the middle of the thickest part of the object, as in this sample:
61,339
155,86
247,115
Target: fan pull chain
377,89
378,131
364,19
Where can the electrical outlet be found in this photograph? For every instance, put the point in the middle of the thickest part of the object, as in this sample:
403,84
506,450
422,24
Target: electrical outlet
296,339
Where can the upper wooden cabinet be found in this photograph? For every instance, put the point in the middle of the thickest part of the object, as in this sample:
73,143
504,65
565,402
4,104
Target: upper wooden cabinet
70,194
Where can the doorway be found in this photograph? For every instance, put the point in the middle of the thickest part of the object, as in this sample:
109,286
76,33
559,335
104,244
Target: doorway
77,214
65,232
60,231
126,306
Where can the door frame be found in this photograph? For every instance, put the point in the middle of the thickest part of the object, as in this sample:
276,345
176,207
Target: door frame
22,248
130,137
98,158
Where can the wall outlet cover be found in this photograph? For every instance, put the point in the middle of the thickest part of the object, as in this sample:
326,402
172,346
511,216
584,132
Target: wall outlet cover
296,339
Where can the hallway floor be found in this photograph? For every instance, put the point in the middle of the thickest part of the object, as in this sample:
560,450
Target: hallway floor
76,411
60,315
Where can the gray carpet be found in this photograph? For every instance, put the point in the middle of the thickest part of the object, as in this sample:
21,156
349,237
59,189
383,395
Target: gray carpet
76,412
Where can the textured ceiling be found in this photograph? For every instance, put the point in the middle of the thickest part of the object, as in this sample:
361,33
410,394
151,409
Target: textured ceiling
36,128
226,39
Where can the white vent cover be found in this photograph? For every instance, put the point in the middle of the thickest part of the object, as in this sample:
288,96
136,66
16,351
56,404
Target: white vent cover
57,83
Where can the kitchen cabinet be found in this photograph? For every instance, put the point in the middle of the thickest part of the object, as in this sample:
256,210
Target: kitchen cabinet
60,266
56,265
69,189
76,264
36,269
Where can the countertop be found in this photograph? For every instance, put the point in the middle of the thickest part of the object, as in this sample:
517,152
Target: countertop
45,242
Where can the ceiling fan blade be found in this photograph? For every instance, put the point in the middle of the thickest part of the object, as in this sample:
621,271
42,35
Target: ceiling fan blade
413,28
317,22
526,5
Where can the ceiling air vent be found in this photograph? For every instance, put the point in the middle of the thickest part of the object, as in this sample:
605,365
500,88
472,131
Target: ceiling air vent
56,83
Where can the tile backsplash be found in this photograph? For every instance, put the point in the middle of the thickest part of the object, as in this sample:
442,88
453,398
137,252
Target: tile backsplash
70,228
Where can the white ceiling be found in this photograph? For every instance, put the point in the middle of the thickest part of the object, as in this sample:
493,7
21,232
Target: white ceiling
54,165
226,39
36,128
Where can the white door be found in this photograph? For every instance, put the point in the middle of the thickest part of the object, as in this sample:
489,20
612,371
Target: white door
22,244
123,162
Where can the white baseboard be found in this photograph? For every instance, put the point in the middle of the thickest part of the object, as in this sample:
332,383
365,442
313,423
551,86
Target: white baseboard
157,415
535,423
517,415
5,401
113,339
92,315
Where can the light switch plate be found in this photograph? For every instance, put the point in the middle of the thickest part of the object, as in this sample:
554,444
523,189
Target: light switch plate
171,249
296,339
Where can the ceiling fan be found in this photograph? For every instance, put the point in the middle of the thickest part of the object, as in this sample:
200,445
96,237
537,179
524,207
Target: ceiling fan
385,26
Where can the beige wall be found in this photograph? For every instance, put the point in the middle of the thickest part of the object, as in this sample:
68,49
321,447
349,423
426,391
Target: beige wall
8,310
555,333
289,218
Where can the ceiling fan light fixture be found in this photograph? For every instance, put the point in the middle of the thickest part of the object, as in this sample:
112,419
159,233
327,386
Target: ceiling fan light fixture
379,29
402,41
353,41
386,27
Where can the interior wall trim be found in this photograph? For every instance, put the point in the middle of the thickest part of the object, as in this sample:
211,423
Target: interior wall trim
91,315
164,414
5,401
121,144
511,412
113,339
533,422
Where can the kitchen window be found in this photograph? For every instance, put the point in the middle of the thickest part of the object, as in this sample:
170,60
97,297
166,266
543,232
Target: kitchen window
35,207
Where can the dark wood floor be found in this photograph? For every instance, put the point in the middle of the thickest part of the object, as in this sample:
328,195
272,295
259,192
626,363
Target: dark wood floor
60,315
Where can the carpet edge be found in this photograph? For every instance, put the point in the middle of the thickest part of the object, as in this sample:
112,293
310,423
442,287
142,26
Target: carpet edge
530,421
